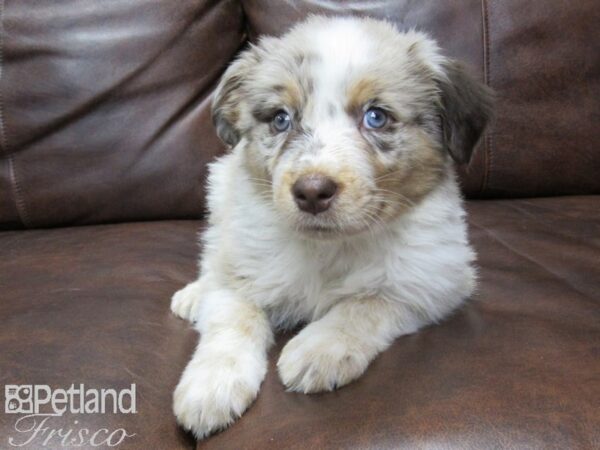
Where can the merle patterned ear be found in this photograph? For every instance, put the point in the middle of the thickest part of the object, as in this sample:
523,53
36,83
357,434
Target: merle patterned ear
466,109
228,95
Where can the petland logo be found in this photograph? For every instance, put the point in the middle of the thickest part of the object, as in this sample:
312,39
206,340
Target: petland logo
39,405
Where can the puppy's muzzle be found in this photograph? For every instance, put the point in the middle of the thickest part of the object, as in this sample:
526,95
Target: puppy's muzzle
314,193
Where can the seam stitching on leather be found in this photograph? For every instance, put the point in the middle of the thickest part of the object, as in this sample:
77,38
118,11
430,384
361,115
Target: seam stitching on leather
246,33
487,79
16,188
514,249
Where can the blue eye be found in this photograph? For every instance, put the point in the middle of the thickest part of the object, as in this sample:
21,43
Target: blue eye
375,118
281,121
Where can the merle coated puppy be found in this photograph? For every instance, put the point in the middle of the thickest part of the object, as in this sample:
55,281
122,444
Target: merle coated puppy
337,206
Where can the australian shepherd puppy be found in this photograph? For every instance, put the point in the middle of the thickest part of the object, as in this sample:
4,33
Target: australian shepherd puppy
337,206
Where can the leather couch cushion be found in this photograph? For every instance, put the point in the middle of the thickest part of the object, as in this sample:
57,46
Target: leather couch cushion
540,57
91,305
105,107
516,368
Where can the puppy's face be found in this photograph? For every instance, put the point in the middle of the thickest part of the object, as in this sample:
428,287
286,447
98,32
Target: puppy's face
347,123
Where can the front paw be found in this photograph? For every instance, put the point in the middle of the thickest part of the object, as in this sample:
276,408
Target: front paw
215,391
321,360
184,302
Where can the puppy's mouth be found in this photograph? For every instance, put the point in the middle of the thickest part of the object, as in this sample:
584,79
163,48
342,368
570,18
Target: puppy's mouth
330,232
319,230
367,216
331,226
329,213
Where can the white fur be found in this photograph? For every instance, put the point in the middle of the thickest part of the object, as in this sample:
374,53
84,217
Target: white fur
358,292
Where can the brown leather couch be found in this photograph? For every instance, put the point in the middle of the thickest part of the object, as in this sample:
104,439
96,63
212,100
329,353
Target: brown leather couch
104,138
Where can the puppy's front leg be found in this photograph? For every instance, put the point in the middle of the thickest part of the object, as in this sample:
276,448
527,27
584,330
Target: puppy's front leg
228,366
337,348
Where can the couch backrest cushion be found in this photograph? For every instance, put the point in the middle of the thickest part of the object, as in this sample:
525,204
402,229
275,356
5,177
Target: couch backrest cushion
541,57
105,107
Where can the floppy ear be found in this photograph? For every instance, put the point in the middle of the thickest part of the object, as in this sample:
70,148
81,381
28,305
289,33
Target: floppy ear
466,109
228,95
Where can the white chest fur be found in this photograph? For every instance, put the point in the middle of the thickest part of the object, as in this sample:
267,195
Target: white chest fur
421,260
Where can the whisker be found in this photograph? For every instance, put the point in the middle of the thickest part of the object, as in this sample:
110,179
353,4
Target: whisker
261,180
397,194
387,175
419,163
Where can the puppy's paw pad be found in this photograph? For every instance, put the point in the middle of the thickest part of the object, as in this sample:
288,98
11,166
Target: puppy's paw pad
316,362
185,301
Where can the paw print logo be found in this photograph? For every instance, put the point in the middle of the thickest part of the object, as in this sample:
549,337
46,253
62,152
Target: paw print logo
12,406
18,399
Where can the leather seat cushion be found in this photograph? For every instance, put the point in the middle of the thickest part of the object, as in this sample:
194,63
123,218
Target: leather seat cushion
517,367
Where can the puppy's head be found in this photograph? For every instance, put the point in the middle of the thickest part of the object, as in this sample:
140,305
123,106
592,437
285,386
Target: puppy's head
346,123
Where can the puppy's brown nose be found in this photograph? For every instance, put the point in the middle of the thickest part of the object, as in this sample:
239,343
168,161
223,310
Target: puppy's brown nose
314,193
